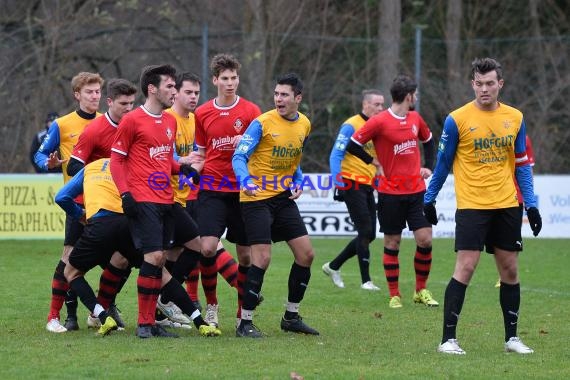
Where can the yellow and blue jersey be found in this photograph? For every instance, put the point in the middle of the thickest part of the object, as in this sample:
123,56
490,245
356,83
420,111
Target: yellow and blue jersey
349,166
96,184
63,134
184,145
269,154
484,148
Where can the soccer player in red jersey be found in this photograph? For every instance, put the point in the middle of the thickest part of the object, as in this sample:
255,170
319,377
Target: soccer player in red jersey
220,124
96,139
62,136
396,134
141,165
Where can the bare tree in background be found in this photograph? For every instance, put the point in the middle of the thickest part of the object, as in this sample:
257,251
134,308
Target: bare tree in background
388,54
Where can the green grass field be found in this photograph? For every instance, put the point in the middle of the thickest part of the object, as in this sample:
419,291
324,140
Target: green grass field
361,338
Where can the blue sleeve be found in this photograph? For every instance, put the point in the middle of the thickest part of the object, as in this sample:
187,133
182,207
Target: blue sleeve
445,156
66,195
49,145
175,153
245,148
339,151
523,174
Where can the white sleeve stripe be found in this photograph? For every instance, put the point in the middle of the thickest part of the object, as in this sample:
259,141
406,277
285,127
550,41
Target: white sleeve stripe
119,151
521,159
78,159
352,139
429,138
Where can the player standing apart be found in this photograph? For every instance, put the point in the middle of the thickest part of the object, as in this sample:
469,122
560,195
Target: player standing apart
484,143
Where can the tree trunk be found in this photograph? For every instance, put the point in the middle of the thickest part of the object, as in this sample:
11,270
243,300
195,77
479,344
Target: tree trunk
388,43
455,81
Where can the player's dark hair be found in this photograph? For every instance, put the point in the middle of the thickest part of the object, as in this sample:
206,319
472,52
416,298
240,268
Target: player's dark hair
485,65
224,61
118,86
293,80
186,77
401,87
153,75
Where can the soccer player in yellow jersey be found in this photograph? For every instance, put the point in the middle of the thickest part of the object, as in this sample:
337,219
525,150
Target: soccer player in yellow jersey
63,135
352,180
267,165
484,143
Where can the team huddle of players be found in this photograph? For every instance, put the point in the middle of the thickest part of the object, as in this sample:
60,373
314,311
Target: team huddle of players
135,173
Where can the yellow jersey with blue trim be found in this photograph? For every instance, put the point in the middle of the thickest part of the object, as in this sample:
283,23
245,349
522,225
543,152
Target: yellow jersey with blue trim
272,147
353,167
99,189
185,136
484,163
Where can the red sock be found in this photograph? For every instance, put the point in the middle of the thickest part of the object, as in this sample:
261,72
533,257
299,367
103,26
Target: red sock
192,283
392,270
148,286
227,266
109,283
209,278
59,288
241,278
422,266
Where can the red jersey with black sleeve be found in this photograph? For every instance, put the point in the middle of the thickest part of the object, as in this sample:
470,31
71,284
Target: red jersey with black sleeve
396,142
143,155
218,130
96,140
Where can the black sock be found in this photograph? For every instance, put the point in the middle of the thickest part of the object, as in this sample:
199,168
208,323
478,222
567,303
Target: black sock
71,304
174,291
125,273
298,281
185,263
252,287
453,303
363,253
348,252
510,299
85,292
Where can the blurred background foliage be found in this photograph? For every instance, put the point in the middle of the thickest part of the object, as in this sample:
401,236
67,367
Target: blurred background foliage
339,47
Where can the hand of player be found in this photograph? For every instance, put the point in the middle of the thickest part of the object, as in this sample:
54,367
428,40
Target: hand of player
190,172
338,195
425,173
296,192
534,219
379,168
250,189
430,213
129,204
53,161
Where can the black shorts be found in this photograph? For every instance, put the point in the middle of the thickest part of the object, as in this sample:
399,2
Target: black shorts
273,219
476,229
101,237
192,209
73,231
220,210
394,211
185,228
153,227
362,209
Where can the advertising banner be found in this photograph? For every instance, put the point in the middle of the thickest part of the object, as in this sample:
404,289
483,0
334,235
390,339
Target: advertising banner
28,210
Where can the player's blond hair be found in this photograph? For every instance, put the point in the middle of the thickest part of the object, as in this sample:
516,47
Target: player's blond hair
84,78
